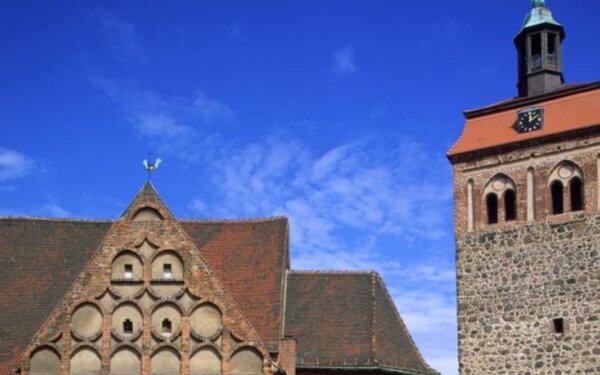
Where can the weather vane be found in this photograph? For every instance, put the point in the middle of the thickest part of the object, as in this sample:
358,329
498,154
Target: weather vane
151,167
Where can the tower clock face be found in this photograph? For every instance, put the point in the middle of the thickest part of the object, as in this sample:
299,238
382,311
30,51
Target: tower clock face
530,119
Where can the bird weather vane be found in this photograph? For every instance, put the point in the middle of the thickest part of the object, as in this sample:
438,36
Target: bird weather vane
151,166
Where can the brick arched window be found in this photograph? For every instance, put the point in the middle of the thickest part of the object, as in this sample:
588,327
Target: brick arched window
500,199
566,187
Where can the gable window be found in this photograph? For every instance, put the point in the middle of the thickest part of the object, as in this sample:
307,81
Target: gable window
127,327
491,202
128,271
166,327
167,271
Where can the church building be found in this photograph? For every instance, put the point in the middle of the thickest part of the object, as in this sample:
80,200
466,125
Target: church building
527,220
149,294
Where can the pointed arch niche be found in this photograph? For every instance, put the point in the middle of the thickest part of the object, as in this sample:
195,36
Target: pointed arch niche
500,200
246,361
205,361
147,214
85,361
126,266
125,361
165,361
44,361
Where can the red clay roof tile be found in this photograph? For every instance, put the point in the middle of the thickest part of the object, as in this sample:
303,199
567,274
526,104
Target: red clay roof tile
574,108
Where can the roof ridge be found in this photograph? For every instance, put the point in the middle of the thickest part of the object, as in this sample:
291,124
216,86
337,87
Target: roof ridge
373,319
518,101
403,326
334,272
55,219
234,220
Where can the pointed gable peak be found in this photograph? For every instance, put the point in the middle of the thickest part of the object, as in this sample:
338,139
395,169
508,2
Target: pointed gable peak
147,206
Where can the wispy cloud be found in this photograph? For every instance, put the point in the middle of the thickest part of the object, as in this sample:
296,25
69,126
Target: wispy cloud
212,110
14,165
119,35
343,61
55,210
172,126
344,206
353,186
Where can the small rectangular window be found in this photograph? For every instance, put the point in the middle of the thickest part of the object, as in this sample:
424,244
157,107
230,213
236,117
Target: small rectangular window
167,271
128,271
166,327
127,326
559,326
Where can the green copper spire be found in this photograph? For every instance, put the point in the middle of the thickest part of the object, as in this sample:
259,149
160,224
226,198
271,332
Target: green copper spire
540,14
538,3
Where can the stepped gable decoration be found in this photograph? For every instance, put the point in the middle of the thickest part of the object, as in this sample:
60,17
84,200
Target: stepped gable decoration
147,294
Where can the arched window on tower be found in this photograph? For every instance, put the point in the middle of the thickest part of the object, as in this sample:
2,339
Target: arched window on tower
566,188
510,205
556,190
500,199
491,202
576,192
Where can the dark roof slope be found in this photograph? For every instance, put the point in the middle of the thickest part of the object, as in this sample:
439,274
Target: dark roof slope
347,319
39,259
250,258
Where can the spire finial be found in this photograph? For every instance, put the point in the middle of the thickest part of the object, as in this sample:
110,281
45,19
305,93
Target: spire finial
151,166
538,3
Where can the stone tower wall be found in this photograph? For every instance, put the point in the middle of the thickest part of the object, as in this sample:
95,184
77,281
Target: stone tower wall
515,278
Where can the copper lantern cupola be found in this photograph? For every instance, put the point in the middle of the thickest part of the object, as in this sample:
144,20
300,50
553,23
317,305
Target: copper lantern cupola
539,51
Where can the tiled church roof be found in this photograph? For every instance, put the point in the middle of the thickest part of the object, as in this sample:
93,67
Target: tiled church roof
341,319
347,320
39,260
250,258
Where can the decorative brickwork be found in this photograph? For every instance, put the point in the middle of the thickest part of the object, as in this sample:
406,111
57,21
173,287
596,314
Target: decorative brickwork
147,322
148,294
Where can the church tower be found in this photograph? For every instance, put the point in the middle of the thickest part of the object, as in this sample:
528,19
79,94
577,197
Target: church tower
539,46
527,220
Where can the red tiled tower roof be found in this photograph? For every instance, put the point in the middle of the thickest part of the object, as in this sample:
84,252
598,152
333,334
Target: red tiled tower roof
574,107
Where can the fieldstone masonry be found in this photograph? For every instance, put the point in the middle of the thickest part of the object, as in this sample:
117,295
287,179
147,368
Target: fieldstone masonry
518,280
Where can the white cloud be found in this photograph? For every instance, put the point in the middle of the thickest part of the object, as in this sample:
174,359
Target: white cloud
352,187
343,61
198,205
119,34
212,110
14,165
346,203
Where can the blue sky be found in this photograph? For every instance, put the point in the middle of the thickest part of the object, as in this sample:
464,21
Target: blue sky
337,114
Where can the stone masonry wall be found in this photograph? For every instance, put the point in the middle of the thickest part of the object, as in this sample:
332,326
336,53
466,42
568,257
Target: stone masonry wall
515,277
